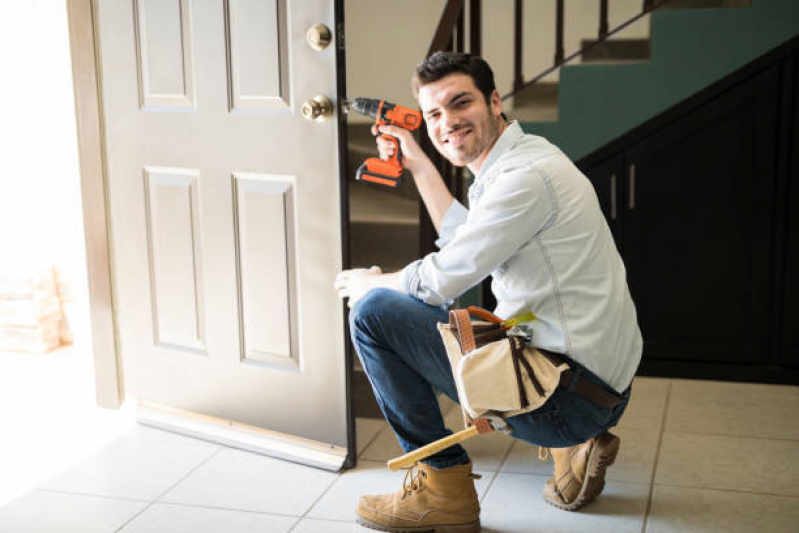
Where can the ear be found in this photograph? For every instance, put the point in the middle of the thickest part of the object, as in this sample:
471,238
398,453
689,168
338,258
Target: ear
496,103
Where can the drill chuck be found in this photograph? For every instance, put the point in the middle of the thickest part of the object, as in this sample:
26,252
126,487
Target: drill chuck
366,106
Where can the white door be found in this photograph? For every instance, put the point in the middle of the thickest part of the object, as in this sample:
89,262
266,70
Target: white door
225,220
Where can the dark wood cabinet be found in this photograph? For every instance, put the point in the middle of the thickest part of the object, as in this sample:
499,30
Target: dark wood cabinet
697,228
703,203
788,200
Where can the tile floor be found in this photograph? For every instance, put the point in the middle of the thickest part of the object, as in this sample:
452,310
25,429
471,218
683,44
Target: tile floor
695,456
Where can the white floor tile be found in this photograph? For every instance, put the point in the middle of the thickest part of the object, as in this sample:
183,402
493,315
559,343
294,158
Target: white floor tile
736,409
133,468
170,518
634,463
244,481
370,477
732,463
515,505
677,510
383,448
51,512
366,429
647,404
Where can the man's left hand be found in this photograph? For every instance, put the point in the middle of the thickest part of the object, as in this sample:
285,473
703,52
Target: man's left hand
353,284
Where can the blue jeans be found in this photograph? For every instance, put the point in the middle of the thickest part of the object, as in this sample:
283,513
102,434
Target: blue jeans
396,338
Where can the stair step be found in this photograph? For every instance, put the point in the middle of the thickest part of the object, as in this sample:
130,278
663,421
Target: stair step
536,103
616,51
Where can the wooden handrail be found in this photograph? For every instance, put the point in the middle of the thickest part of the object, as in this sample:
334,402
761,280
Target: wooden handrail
446,26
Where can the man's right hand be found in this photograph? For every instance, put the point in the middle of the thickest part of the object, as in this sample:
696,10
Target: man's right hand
413,157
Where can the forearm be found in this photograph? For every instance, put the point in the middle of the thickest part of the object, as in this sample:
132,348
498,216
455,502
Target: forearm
435,195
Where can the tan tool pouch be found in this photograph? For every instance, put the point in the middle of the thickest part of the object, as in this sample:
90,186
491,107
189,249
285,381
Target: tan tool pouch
496,372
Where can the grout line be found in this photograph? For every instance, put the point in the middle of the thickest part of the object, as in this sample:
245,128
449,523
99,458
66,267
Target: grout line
373,439
129,520
318,499
657,457
231,509
91,495
735,491
499,469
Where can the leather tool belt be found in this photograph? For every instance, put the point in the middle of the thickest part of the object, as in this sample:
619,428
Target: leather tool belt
587,389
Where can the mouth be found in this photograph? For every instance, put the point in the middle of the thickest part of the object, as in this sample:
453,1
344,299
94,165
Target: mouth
457,138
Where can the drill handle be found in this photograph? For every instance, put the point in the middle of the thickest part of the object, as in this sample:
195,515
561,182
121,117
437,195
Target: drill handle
396,158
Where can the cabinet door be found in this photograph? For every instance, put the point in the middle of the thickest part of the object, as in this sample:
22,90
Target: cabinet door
789,327
607,178
697,228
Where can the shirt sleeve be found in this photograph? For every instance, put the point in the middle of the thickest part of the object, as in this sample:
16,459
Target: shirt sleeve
512,210
454,217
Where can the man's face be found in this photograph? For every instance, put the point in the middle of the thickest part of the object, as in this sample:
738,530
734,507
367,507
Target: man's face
462,126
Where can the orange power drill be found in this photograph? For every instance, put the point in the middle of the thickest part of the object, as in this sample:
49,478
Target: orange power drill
375,170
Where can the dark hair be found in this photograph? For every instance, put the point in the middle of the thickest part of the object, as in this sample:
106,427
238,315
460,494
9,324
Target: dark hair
443,64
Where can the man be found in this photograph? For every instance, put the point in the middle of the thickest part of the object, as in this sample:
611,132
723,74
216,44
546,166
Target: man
535,226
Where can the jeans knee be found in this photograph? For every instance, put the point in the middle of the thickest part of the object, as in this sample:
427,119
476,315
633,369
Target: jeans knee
372,304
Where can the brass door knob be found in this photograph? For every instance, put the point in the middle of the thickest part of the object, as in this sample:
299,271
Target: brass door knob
317,108
318,36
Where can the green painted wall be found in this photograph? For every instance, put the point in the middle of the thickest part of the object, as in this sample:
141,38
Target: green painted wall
691,49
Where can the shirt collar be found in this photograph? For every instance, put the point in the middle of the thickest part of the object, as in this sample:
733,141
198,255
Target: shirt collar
512,133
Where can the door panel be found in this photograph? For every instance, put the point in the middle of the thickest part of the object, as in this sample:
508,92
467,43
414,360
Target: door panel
225,211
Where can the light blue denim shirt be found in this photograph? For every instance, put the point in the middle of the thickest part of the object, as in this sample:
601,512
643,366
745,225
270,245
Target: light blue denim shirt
535,226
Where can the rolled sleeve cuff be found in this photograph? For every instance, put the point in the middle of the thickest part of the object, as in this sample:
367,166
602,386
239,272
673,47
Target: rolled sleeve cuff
410,279
454,217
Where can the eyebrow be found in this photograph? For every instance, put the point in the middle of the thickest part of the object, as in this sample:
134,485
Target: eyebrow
451,101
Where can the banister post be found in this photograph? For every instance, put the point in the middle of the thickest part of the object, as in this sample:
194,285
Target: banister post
559,53
518,77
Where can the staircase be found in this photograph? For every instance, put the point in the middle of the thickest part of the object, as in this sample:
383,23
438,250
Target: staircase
602,97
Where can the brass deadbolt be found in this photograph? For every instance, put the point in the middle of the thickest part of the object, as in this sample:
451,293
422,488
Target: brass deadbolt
317,108
318,36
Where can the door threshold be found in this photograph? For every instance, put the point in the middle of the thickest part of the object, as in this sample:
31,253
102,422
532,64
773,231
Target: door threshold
242,436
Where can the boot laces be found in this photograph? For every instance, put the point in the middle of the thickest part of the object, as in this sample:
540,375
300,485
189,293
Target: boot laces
412,481
543,453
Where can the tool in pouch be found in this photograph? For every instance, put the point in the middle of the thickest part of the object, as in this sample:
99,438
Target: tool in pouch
376,170
496,374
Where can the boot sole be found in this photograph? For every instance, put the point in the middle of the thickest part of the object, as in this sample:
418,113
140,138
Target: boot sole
471,527
602,456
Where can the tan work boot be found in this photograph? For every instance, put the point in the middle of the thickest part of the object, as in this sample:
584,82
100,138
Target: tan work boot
440,501
580,472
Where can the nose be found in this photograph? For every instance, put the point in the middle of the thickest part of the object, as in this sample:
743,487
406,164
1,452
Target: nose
450,120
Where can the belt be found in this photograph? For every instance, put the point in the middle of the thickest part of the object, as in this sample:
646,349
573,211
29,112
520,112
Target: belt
587,389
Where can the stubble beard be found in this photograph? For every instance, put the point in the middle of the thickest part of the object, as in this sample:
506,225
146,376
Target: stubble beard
490,131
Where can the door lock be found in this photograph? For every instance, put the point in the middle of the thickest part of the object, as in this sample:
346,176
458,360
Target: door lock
318,36
317,108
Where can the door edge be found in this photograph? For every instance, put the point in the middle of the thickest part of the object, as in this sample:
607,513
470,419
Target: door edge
88,115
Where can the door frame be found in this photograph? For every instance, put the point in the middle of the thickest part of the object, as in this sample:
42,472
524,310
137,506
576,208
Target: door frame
87,86
88,114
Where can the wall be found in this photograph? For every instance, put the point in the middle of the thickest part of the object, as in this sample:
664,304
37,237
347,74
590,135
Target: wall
383,47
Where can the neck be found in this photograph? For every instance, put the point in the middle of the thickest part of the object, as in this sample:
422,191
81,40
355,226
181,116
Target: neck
477,164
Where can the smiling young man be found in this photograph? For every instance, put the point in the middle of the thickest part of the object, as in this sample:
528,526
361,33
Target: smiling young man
535,226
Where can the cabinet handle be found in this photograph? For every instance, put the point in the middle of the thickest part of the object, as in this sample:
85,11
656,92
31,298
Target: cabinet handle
613,197
631,198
